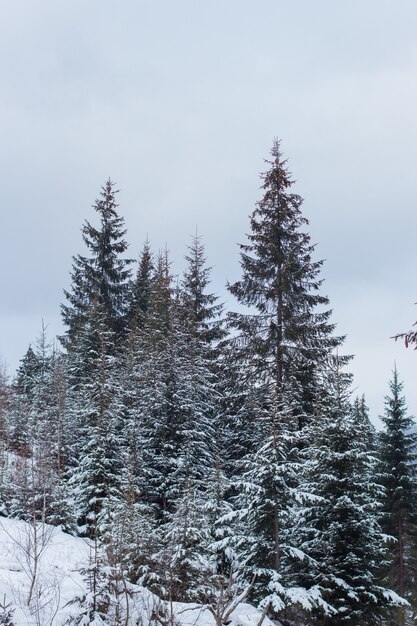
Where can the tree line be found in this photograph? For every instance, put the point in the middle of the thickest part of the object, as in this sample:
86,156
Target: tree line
214,456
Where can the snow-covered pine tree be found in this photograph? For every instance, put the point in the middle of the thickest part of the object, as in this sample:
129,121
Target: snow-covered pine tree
154,420
282,344
132,519
100,452
42,431
6,612
203,309
32,478
101,277
155,371
129,381
195,462
267,494
398,456
96,317
27,373
289,334
361,416
340,523
38,415
177,408
23,388
140,289
197,330
5,399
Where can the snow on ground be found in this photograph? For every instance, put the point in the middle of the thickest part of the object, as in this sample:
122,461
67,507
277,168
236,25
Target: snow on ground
58,581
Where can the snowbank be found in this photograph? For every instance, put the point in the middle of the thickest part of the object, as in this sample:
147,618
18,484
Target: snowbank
58,581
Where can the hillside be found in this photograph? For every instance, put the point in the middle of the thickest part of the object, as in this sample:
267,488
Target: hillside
58,582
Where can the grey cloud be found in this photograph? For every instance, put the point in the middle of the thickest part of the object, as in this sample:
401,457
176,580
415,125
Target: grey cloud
179,102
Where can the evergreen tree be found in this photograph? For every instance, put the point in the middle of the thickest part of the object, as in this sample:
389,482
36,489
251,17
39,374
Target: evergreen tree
100,458
283,345
101,277
24,388
289,334
398,453
38,420
268,492
6,612
341,523
27,374
156,403
202,308
141,288
5,400
361,416
197,330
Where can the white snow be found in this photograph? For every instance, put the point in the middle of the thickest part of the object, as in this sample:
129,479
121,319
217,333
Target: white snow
59,581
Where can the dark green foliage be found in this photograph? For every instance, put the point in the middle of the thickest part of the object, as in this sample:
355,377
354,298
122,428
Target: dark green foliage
97,475
361,417
282,347
290,334
141,289
103,276
27,374
398,453
203,311
341,525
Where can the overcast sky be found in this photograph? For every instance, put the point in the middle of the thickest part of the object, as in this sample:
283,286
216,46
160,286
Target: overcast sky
179,102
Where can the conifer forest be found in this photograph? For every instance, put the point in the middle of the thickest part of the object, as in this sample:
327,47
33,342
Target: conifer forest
206,458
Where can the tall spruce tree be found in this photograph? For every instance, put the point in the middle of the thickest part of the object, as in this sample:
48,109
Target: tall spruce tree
5,399
361,416
340,525
96,477
203,310
398,453
141,288
283,344
101,277
155,405
290,334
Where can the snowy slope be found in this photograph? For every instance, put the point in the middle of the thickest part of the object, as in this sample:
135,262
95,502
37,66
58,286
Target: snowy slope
58,581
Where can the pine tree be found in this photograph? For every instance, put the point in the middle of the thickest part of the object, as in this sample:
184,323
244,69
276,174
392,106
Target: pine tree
204,312
103,276
96,318
268,492
398,453
37,417
156,410
283,345
197,330
24,387
195,463
5,400
361,416
27,390
289,334
141,288
341,523
27,374
100,454
6,613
